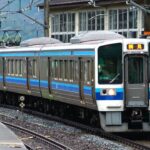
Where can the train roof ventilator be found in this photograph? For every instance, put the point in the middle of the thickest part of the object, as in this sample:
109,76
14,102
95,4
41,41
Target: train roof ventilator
95,36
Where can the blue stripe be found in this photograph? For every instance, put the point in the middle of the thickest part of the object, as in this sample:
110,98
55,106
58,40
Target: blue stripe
1,78
87,90
117,89
48,53
68,53
61,86
66,87
16,80
34,82
83,53
118,96
25,54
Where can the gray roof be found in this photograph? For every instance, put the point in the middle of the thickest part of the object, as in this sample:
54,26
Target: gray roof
60,3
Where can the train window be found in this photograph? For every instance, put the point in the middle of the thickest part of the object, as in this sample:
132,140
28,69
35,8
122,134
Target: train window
61,72
66,70
8,67
52,67
71,70
34,67
76,69
11,65
86,71
20,70
16,70
136,70
109,64
56,69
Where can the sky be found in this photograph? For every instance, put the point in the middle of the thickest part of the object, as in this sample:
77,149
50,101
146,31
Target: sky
10,19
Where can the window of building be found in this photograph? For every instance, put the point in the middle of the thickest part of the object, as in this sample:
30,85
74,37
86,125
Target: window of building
91,20
113,19
124,21
63,26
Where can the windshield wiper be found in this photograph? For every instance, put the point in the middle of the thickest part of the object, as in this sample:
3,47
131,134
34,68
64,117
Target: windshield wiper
115,78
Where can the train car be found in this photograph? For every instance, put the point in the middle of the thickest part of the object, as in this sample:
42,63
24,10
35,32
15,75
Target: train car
100,77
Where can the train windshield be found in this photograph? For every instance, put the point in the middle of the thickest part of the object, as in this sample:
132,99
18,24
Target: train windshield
110,64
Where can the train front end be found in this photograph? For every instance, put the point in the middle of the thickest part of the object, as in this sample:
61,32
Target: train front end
122,85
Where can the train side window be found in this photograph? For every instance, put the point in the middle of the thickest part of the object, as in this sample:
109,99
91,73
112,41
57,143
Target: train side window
8,67
87,72
76,69
56,69
20,70
61,68
16,67
34,67
64,70
52,69
71,72
11,67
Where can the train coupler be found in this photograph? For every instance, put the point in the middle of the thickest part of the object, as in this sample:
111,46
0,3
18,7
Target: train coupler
136,119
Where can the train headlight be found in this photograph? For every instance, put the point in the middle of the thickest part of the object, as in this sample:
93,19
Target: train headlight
111,92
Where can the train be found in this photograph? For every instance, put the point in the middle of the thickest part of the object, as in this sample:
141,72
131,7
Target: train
99,77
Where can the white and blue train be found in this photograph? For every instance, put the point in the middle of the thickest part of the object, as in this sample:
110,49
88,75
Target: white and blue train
99,77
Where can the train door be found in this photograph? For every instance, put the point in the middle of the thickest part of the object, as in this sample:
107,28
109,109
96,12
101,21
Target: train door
136,81
33,75
87,80
28,68
4,72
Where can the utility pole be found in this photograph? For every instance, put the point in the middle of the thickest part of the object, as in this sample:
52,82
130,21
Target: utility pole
46,18
147,18
146,11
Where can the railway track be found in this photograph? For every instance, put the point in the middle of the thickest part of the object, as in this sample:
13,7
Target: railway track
92,130
88,129
28,147
47,140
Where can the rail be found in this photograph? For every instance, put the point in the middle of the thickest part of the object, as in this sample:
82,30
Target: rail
87,128
48,140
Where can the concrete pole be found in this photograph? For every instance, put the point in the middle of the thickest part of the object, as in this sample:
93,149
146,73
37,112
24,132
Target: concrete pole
147,17
46,18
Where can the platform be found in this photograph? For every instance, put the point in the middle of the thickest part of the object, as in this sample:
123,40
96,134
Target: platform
8,140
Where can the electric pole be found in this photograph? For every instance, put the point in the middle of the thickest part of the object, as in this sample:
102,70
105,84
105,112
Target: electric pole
46,18
147,18
146,11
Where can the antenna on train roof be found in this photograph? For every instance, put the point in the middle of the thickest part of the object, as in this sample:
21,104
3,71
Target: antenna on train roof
95,36
39,41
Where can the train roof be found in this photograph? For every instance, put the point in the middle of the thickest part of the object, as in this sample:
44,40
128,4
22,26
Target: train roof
85,40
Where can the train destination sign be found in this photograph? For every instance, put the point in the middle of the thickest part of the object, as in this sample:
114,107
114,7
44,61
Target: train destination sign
135,46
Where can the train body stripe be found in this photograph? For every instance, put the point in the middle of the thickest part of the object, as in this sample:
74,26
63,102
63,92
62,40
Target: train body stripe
118,96
48,53
55,85
66,87
16,80
19,54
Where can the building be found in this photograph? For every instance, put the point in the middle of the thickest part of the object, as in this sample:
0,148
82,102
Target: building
71,17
